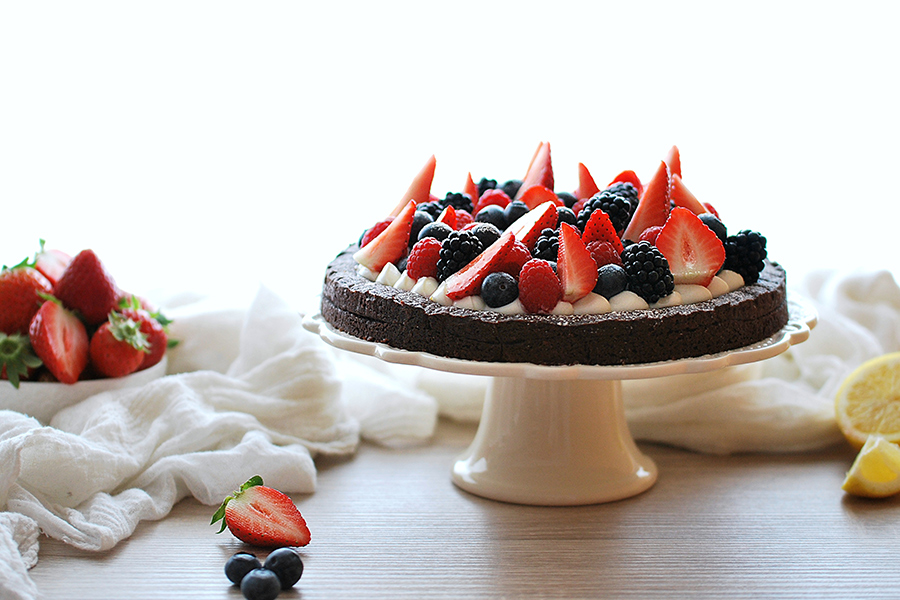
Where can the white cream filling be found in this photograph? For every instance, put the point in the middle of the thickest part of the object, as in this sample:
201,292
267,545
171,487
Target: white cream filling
673,299
563,308
732,278
388,276
470,302
592,304
627,301
405,283
366,273
440,295
691,294
717,287
426,286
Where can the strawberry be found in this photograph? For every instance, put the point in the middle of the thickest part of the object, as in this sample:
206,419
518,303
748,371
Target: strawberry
118,347
153,325
490,197
448,217
650,234
517,257
87,287
423,258
673,160
576,208
653,208
17,359
420,188
471,189
463,218
681,196
373,231
575,265
709,207
21,287
537,195
629,177
599,228
51,263
695,254
604,253
528,227
391,244
467,281
539,289
262,516
60,340
540,170
587,187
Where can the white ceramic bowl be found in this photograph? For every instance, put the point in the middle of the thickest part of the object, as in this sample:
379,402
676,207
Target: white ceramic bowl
43,400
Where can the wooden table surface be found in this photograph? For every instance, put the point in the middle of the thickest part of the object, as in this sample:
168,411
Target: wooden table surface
390,524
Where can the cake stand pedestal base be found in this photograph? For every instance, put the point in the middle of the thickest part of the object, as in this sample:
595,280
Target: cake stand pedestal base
553,443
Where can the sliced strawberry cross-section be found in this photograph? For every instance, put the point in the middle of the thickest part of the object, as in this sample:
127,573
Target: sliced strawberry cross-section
653,208
629,177
528,227
468,280
587,187
673,160
60,340
391,244
681,196
575,265
540,170
537,195
420,188
695,254
599,228
262,516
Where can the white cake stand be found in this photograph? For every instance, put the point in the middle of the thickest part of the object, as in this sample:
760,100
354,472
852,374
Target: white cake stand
557,435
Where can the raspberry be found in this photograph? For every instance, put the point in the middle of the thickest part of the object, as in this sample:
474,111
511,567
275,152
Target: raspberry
372,233
650,234
463,218
497,197
517,257
539,289
604,254
423,259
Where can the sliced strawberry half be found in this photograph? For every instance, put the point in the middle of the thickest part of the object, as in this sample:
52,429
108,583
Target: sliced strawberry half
587,187
471,189
60,340
262,516
448,218
420,188
467,281
537,195
391,244
629,177
694,252
528,227
599,228
540,170
673,159
51,263
653,208
575,265
681,196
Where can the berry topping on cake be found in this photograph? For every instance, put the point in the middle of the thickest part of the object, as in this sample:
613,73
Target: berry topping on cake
539,289
459,201
587,187
744,254
487,233
391,244
713,222
611,280
648,271
650,234
471,189
695,254
537,195
629,177
653,208
540,171
433,208
515,210
512,187
499,289
492,197
604,253
485,184
547,245
517,257
673,160
423,259
617,207
492,214
565,215
458,250
599,228
463,218
372,232
447,217
627,190
420,220
681,196
528,227
438,231
467,281
420,188
575,266
567,199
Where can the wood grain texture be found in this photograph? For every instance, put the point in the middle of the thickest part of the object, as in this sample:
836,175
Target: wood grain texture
390,524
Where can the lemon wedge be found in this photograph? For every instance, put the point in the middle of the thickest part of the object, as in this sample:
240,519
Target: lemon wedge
868,402
876,471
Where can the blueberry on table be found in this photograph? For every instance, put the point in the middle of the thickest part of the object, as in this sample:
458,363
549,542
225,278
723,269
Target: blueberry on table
260,584
287,565
239,565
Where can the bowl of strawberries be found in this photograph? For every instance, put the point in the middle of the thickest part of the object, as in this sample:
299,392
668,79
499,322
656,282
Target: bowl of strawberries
67,332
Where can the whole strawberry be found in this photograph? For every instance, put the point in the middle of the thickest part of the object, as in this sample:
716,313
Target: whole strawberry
85,286
17,359
262,516
153,326
60,340
118,347
20,289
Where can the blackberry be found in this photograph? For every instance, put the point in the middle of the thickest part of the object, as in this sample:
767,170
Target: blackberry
432,208
617,207
626,190
547,245
648,272
457,251
511,187
485,185
744,254
458,201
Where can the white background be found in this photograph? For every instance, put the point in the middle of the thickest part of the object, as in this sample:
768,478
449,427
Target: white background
211,146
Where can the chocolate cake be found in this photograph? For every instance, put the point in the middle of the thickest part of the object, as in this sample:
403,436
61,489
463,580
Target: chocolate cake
406,320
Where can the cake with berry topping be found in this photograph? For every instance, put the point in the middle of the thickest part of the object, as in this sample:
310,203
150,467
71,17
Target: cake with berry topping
628,274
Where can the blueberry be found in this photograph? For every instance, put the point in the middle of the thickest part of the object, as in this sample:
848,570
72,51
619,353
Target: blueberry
239,565
499,289
511,187
514,210
611,280
486,233
260,584
494,215
420,220
287,565
568,199
438,231
565,215
716,225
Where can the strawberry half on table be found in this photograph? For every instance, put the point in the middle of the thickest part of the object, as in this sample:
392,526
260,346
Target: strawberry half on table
262,516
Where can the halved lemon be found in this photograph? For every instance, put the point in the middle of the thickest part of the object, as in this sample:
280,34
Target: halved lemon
868,402
876,471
